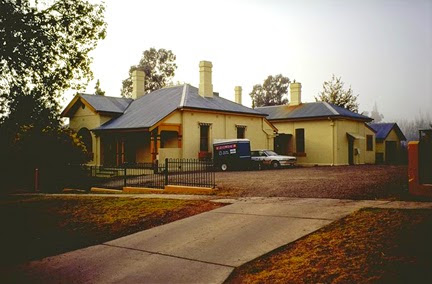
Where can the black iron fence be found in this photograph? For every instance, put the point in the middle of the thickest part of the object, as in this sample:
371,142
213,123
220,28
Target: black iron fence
187,172
190,172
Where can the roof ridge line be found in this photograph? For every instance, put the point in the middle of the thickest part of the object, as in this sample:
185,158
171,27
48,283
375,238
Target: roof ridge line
183,97
331,108
272,106
107,97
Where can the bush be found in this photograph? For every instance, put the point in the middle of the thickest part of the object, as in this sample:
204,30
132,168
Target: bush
48,149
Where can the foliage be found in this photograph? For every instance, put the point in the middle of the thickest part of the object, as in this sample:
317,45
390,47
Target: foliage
39,147
410,128
50,148
98,90
271,92
44,49
334,93
375,115
159,68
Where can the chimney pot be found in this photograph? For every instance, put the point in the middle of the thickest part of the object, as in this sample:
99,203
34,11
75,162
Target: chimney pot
138,77
238,94
206,86
295,91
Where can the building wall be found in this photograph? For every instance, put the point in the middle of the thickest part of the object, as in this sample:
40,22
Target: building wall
354,127
370,155
326,141
84,117
319,138
222,126
143,152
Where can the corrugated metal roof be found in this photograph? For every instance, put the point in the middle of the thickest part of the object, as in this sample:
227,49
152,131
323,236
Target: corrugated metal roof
107,104
308,110
383,130
147,110
194,100
153,107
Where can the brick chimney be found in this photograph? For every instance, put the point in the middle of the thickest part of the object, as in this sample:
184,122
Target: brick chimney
205,85
295,91
138,77
238,94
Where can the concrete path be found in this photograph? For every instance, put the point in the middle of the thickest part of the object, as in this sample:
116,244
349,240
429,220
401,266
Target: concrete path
204,248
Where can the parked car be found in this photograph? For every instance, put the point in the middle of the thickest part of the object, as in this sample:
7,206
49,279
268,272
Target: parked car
271,159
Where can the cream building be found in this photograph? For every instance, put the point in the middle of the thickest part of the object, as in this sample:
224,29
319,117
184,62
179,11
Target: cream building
320,133
175,122
388,142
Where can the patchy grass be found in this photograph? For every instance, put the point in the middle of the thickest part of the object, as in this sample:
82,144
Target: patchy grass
37,226
371,245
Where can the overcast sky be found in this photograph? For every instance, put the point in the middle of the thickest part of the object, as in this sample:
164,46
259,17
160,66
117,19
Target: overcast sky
383,49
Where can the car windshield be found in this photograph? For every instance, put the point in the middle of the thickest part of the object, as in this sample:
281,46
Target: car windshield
270,153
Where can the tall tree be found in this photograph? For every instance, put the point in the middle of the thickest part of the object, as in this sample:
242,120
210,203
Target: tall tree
159,67
98,90
271,92
377,117
334,93
44,50
410,127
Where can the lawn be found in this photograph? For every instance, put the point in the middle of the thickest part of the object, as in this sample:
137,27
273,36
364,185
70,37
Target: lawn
37,226
371,245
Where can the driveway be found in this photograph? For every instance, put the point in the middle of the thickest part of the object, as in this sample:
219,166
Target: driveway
204,248
343,182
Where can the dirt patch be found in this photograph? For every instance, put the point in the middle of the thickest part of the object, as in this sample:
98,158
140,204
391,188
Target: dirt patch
346,182
371,245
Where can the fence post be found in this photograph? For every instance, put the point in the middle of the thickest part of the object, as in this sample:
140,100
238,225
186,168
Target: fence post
124,176
166,171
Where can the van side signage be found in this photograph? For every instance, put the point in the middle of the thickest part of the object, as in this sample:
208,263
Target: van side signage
223,147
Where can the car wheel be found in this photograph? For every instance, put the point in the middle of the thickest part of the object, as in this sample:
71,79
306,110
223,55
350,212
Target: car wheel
259,166
224,167
275,165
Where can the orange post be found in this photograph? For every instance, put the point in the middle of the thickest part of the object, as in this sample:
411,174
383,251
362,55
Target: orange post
415,188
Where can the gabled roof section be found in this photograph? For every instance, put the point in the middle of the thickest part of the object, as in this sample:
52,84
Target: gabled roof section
151,108
147,110
384,129
107,104
309,111
103,104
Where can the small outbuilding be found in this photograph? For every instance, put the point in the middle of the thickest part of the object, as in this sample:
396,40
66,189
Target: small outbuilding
320,133
388,142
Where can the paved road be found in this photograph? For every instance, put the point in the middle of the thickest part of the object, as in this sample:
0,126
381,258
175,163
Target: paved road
204,248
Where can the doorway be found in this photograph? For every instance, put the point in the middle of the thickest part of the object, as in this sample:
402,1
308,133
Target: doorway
391,152
350,150
282,144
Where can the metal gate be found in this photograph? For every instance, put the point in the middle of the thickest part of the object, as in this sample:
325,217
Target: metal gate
425,157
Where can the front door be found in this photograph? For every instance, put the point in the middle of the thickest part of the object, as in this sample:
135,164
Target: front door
391,152
350,150
108,150
282,144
